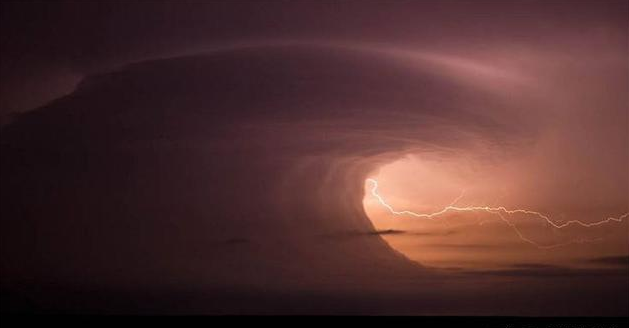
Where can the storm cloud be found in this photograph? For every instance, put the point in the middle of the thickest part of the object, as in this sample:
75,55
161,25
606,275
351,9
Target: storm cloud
220,166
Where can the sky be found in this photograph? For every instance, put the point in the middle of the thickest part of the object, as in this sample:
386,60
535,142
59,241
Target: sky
228,153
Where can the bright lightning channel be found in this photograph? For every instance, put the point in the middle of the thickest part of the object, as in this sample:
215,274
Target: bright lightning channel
500,211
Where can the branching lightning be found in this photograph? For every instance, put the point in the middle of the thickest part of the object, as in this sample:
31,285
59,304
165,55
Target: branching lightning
501,211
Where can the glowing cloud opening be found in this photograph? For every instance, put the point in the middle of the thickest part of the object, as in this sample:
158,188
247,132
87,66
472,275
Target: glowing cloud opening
501,211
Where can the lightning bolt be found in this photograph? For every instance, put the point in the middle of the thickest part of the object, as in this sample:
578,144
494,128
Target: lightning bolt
500,211
456,200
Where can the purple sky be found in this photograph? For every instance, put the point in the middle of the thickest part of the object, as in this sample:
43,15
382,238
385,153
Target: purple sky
217,152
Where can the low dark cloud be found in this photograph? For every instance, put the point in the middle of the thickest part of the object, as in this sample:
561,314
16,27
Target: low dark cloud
534,266
361,234
546,271
433,233
387,232
611,260
463,245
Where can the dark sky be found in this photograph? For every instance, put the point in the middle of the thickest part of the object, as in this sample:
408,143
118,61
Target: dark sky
213,156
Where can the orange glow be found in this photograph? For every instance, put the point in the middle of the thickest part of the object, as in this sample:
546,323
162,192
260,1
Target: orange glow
418,199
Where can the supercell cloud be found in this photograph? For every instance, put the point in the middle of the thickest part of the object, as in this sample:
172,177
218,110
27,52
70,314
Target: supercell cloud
207,169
